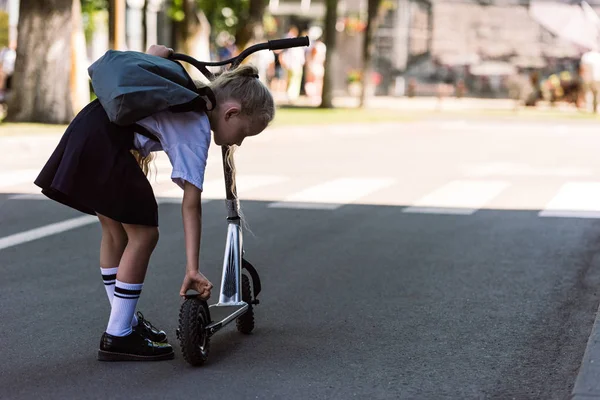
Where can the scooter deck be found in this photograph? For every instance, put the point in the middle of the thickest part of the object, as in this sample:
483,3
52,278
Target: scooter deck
221,315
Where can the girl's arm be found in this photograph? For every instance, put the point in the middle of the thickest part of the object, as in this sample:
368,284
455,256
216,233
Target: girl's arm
191,210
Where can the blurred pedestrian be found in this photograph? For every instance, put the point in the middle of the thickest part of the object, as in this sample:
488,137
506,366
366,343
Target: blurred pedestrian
590,74
315,63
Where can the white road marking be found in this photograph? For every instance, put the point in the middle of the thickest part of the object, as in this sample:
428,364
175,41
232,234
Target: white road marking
28,197
58,227
19,177
458,197
333,194
508,169
439,210
305,206
176,200
575,200
44,231
215,188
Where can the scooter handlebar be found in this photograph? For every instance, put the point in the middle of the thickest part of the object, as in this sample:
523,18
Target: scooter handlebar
280,44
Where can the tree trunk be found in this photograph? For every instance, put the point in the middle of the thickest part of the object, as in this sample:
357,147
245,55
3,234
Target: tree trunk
246,26
44,69
372,12
116,24
79,79
329,39
145,26
192,36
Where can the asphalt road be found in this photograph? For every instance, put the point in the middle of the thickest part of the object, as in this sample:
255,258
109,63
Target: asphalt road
427,260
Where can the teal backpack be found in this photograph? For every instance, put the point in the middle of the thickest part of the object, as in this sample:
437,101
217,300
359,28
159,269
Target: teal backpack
132,85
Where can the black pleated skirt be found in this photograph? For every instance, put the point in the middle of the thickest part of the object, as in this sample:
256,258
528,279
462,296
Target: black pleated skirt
92,170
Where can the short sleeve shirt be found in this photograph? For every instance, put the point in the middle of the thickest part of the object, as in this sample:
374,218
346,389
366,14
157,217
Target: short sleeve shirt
184,137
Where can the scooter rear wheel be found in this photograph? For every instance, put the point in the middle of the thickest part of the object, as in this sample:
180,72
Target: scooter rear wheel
192,335
245,323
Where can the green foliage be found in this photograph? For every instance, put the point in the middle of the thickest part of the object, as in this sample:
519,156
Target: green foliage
176,10
88,9
223,15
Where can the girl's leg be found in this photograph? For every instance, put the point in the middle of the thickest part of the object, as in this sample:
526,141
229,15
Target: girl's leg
130,277
112,246
120,341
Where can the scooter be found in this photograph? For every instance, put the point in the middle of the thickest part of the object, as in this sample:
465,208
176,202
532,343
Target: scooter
240,282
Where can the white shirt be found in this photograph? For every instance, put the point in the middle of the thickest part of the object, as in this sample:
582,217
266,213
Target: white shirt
184,137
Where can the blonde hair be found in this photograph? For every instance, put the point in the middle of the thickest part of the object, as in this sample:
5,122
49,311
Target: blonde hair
143,162
242,84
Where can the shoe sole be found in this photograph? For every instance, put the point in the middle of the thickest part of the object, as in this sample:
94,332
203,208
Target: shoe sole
110,356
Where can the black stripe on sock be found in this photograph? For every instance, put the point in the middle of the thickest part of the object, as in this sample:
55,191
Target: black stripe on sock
109,283
126,297
127,291
110,277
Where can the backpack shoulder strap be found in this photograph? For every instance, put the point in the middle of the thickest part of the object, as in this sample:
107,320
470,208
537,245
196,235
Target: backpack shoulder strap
207,92
199,103
144,132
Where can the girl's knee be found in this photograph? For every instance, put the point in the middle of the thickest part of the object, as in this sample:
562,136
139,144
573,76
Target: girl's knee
113,231
145,236
153,236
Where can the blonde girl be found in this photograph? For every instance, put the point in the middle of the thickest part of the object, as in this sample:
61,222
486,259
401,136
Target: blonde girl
100,169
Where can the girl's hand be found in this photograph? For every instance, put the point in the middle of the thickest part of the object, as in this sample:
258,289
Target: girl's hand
160,50
198,282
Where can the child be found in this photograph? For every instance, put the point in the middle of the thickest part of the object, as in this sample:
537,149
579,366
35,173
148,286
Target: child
94,170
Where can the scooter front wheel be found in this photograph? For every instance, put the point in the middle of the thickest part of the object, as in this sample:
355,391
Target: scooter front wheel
193,337
245,323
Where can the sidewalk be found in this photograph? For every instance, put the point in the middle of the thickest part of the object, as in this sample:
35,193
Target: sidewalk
426,103
405,105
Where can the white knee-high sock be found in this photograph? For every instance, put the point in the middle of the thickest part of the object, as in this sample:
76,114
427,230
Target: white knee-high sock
123,308
109,277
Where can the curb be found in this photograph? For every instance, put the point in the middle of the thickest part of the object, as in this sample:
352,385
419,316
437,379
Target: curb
587,383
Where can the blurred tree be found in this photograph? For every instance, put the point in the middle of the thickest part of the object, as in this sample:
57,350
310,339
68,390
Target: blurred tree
51,80
329,39
88,9
223,15
238,18
373,8
250,18
191,31
145,43
116,24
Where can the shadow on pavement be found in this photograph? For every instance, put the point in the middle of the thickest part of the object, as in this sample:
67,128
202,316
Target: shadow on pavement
363,300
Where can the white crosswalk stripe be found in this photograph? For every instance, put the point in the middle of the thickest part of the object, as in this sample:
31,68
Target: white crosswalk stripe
568,199
333,194
44,231
215,188
575,200
28,197
18,177
458,197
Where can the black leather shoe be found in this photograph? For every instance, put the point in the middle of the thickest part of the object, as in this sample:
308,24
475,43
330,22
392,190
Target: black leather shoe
133,347
147,330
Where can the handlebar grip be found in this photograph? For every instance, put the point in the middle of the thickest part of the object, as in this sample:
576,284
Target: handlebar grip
280,44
